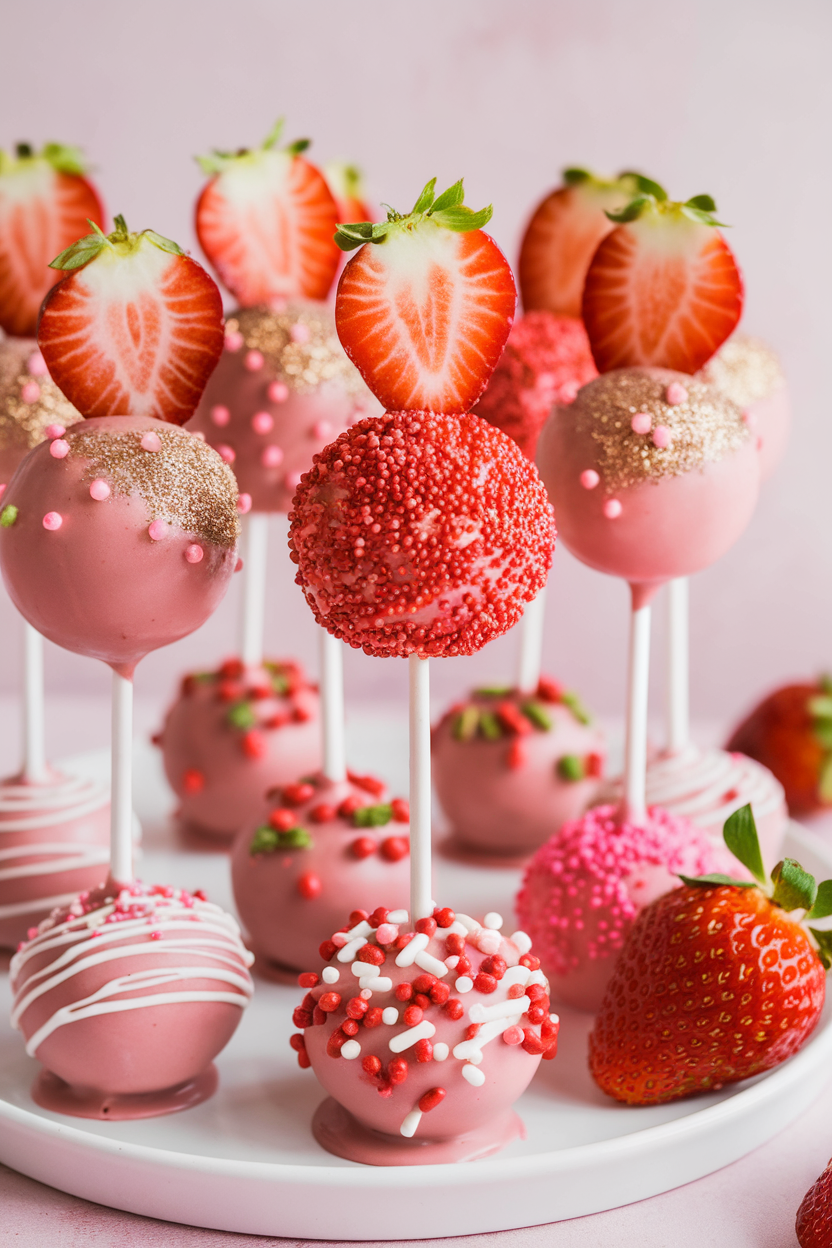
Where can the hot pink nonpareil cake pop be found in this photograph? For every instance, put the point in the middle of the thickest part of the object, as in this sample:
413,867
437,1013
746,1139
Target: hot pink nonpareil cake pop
321,845
509,768
126,996
583,889
749,373
232,735
653,474
424,1038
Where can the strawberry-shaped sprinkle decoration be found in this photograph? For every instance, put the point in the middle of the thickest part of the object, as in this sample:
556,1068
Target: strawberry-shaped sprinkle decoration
134,329
425,307
719,980
663,289
266,222
45,200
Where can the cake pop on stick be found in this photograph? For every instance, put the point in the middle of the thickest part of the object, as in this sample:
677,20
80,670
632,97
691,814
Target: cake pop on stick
126,994
53,828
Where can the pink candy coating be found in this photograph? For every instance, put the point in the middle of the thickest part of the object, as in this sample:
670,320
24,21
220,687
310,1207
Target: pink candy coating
158,529
194,554
262,422
52,521
589,478
99,490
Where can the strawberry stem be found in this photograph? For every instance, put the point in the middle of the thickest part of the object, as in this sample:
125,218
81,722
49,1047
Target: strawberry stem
447,210
91,245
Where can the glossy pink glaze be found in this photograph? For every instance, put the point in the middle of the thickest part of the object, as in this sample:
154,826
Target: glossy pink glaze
505,798
61,832
583,890
221,772
286,926
100,585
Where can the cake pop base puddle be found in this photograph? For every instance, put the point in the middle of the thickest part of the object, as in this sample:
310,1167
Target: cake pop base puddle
58,1097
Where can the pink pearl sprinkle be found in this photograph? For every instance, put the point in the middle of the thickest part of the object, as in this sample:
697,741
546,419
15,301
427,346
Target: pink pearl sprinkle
30,392
233,340
293,479
661,437
197,433
278,392
676,393
386,933
322,430
244,504
612,508
589,478
36,365
227,453
99,490
238,566
157,530
220,415
55,431
272,456
2,488
641,422
513,1035
262,422
254,361
194,554
151,441
339,940
52,521
299,332
59,449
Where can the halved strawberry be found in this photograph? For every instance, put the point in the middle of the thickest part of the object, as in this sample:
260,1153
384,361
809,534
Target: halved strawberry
663,289
266,222
425,307
44,204
347,185
135,329
561,238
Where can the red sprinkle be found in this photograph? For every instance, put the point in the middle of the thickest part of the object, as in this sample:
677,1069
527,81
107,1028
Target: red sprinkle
329,1001
378,917
318,1017
309,885
534,991
370,784
327,950
455,944
439,994
454,1008
532,1042
485,982
297,794
193,781
423,1050
373,1016
401,810
304,1062
371,1065
444,917
349,1027
401,942
512,719
356,1007
397,1070
254,744
424,982
421,1000
431,1098
372,955
232,669
594,765
515,991
301,1018
308,979
348,807
494,965
363,847
516,756
298,1043
426,926
356,917
283,820
403,992
322,813
535,1014
471,1031
412,1015
549,690
463,967
513,1035
335,1043
394,848
530,962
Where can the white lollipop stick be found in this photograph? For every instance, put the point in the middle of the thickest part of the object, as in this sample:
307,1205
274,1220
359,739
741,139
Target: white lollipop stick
255,551
678,677
421,891
531,645
332,707
34,725
635,748
121,800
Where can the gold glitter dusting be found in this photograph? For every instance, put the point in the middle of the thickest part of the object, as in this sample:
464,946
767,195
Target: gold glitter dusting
23,425
185,483
745,369
703,429
303,366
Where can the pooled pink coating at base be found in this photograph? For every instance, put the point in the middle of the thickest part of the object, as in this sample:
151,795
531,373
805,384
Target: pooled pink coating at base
100,586
171,942
69,815
221,782
545,361
583,890
284,926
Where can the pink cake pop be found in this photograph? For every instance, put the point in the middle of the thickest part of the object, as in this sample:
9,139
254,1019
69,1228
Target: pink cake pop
127,991
653,474
749,373
232,735
31,405
321,845
425,1035
510,768
583,889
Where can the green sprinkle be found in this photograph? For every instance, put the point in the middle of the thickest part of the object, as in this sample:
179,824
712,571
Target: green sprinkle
490,726
538,716
267,840
203,678
823,733
577,708
372,816
494,691
466,724
8,515
240,715
264,841
570,767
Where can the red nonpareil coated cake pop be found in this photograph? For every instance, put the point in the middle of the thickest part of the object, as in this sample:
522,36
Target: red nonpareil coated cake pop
509,768
424,1038
546,361
418,533
749,373
584,888
126,996
653,474
322,845
232,735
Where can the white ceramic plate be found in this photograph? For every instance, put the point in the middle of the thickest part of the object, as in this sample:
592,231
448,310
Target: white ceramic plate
246,1160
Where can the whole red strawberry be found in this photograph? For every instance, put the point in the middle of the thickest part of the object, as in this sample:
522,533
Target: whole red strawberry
45,201
814,1217
790,732
718,981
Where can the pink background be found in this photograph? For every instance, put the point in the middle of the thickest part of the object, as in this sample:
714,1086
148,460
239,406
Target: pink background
733,99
